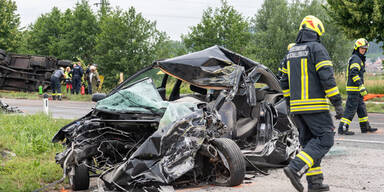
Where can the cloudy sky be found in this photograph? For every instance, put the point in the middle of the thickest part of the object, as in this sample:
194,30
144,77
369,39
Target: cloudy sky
172,16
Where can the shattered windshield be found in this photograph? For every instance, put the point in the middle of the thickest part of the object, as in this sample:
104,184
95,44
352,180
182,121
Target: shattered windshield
140,97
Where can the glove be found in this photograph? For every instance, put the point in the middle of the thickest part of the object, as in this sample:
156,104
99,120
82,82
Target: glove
363,90
339,111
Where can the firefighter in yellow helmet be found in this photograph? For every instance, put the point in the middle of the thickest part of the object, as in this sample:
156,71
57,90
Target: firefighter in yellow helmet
356,91
280,70
307,84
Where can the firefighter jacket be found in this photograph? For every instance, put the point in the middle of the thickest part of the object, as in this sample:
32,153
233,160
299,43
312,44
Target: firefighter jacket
58,74
77,72
355,73
308,79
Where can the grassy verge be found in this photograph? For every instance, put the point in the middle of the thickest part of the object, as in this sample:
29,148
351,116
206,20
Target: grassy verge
374,108
371,107
29,137
374,84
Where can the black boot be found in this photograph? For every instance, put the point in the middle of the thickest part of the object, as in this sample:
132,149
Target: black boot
318,187
59,97
366,127
53,97
343,129
294,178
315,183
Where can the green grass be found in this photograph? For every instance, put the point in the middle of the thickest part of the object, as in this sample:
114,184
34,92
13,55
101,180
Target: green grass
378,99
19,95
371,107
374,108
29,137
374,84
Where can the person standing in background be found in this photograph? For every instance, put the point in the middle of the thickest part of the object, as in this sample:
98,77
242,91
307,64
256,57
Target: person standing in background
93,80
55,83
68,81
356,91
77,73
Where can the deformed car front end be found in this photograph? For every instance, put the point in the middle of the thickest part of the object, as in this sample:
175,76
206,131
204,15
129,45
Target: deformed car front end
221,113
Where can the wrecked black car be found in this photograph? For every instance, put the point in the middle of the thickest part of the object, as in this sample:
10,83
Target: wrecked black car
201,117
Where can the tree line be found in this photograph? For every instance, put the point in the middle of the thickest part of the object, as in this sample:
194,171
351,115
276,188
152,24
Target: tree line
125,41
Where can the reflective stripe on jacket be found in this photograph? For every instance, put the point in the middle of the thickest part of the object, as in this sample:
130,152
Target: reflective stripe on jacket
355,73
309,79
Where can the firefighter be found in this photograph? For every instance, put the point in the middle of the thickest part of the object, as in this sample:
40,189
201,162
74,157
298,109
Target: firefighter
356,91
307,84
55,83
280,70
77,74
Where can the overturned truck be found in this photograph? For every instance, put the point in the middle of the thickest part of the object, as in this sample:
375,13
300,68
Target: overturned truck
27,72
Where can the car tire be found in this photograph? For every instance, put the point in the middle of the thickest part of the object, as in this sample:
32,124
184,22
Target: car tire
235,160
80,179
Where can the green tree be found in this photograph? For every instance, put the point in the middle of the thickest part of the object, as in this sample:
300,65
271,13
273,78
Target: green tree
273,32
24,43
359,18
171,48
67,35
126,43
45,33
223,26
9,24
83,32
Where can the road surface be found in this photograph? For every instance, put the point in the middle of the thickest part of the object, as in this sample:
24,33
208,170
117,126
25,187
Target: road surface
59,109
354,164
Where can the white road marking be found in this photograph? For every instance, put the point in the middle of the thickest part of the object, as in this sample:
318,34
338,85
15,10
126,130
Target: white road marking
370,122
360,141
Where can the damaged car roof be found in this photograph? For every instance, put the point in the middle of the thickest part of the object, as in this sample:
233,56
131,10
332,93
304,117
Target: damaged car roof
215,68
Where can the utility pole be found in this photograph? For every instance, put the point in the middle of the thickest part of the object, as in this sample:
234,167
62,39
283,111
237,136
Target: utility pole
104,4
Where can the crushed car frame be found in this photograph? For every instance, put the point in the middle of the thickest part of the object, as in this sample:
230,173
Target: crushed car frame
201,117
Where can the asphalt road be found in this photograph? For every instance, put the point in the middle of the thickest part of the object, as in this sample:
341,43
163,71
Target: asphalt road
354,164
58,109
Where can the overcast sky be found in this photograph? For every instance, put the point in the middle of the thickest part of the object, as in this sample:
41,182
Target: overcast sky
172,16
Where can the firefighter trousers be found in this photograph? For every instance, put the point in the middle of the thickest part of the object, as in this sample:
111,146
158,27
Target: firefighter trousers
56,86
355,103
316,132
76,83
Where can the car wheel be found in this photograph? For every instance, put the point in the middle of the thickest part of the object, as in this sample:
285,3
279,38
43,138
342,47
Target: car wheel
79,177
230,168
